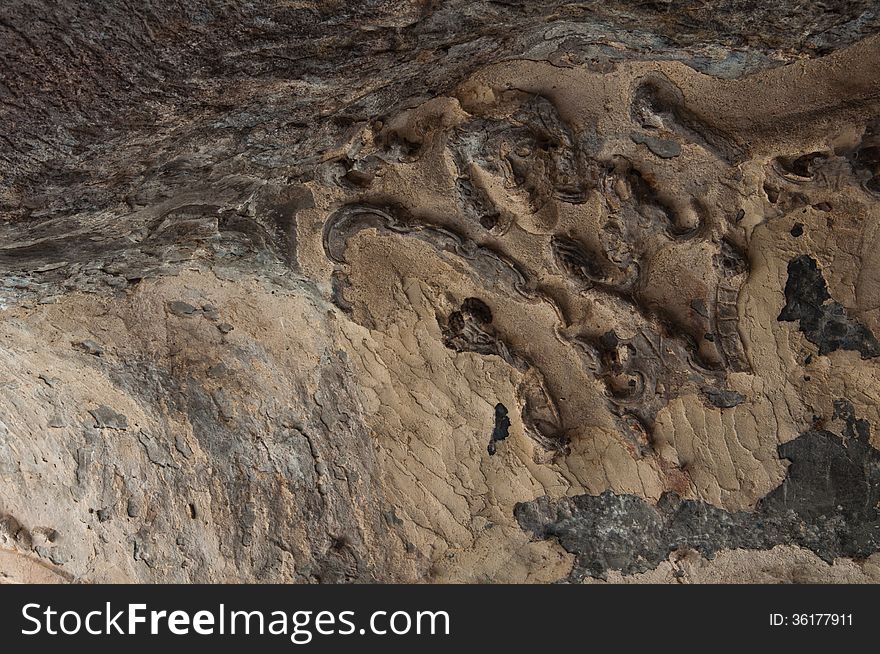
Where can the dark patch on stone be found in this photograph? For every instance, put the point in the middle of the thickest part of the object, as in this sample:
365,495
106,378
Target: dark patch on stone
181,446
699,306
663,148
797,230
827,503
803,166
865,158
730,260
225,327
224,404
478,309
723,399
107,418
218,370
338,284
90,347
391,519
822,320
179,308
501,429
51,382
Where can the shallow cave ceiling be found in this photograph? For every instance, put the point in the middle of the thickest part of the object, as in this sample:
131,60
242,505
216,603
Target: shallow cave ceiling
99,99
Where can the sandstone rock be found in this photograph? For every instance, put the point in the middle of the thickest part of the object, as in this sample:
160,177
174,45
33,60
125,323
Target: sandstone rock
447,292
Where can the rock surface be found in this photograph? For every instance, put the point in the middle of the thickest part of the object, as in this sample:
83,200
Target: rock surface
439,291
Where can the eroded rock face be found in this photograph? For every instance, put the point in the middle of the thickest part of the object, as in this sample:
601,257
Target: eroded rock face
439,291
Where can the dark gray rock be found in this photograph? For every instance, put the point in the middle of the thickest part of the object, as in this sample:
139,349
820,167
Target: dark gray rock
179,308
663,148
722,398
822,320
218,370
107,418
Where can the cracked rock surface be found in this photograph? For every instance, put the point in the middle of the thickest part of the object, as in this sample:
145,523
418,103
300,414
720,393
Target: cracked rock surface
439,291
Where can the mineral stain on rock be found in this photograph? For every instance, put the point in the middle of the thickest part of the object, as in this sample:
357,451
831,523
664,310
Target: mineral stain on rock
501,429
822,320
827,503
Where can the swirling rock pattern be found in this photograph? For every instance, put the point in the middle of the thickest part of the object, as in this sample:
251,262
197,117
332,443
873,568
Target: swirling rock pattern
447,291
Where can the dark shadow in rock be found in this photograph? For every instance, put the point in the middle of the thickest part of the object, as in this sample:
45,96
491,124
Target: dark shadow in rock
865,158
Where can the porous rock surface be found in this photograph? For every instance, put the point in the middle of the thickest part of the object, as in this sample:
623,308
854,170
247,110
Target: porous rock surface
439,291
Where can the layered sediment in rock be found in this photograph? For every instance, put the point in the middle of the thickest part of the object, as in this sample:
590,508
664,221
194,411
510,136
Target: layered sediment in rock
441,292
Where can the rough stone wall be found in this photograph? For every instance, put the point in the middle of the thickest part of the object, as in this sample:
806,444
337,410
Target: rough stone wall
439,291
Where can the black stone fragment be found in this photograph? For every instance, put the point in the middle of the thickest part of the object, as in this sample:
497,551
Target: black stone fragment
797,230
501,429
723,399
663,148
822,320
